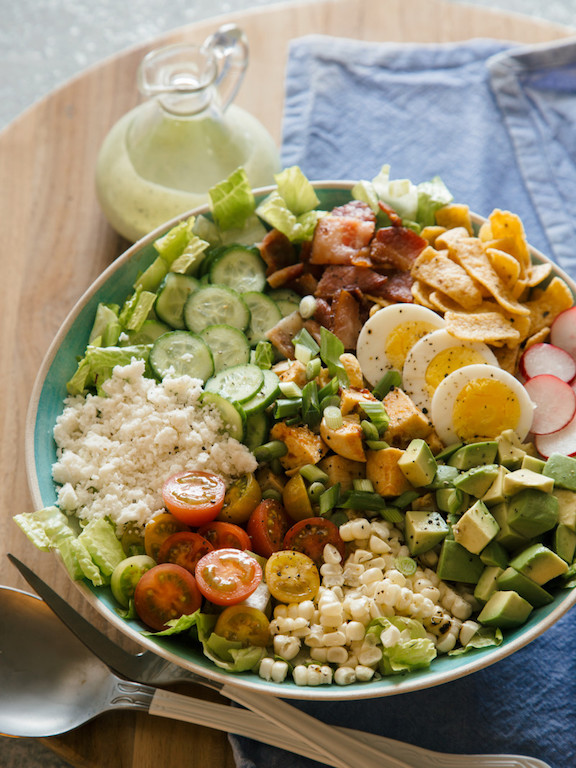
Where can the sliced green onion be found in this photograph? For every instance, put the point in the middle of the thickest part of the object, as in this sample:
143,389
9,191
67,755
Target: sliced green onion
390,380
406,565
370,431
313,474
290,389
276,467
311,412
330,350
405,499
313,368
363,484
326,402
302,354
333,417
306,339
391,514
272,450
364,500
307,306
339,517
287,407
377,414
332,388
377,445
329,499
272,493
263,354
315,491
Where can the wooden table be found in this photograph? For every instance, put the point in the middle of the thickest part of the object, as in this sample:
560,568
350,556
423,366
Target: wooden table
55,241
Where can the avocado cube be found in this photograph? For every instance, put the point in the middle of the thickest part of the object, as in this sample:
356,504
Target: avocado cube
477,481
509,538
456,563
424,529
417,463
495,494
562,469
452,500
505,609
532,463
474,455
539,563
566,508
532,512
525,478
494,554
476,528
565,542
486,585
444,477
445,453
510,450
526,588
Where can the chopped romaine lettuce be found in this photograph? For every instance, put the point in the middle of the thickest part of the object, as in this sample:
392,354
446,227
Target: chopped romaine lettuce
412,650
275,212
482,638
99,539
232,200
296,191
432,195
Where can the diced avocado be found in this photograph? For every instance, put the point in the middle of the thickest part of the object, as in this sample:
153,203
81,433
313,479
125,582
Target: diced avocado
452,500
424,530
494,554
505,609
418,463
474,455
525,478
510,450
526,588
509,538
455,563
566,507
444,477
531,462
495,494
539,563
476,528
486,585
562,469
445,453
565,542
532,512
477,481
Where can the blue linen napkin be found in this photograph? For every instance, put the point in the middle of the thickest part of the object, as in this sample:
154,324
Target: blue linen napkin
498,124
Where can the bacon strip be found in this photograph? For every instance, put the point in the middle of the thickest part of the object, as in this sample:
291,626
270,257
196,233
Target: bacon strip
337,278
277,251
396,247
347,323
341,240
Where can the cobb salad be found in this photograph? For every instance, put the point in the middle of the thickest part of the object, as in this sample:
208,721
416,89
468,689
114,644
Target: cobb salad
325,446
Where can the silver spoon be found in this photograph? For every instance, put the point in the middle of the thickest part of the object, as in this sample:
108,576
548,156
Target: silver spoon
51,683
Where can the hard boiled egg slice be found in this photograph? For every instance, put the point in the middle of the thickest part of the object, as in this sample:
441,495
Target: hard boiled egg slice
388,336
435,357
478,402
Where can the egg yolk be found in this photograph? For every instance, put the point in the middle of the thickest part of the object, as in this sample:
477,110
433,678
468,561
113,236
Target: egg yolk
402,338
447,361
484,408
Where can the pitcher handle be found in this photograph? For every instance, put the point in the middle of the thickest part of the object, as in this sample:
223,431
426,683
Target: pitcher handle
230,47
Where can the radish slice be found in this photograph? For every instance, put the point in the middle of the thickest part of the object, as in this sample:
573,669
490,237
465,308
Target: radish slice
563,441
563,331
547,358
555,402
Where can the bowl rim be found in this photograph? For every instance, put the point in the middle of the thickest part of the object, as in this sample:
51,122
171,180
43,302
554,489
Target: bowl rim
395,685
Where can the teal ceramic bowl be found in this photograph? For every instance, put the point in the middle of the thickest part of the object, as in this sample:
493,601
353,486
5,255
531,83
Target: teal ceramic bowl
46,404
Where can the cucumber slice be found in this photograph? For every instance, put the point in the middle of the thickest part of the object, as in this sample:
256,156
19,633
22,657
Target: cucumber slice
228,345
266,395
214,305
150,331
257,429
240,268
233,417
181,353
172,296
288,301
287,307
237,384
264,314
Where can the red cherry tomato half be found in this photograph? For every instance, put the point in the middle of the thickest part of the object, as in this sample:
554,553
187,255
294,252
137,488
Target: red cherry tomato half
267,527
194,497
225,535
184,549
228,576
166,592
157,531
310,536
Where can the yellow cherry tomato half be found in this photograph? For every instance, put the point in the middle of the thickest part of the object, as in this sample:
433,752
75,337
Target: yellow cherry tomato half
292,577
295,498
244,624
241,499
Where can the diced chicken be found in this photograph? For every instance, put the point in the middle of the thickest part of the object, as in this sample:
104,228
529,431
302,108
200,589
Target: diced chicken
341,470
353,370
304,447
293,371
351,398
407,421
347,440
383,471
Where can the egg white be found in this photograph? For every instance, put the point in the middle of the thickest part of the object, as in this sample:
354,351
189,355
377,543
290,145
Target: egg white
387,337
483,414
435,357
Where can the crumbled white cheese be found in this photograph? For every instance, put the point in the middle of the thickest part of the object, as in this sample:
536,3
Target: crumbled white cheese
116,451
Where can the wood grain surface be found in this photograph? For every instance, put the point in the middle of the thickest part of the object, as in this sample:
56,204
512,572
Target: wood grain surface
54,241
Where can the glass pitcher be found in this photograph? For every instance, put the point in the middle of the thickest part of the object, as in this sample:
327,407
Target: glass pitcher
161,158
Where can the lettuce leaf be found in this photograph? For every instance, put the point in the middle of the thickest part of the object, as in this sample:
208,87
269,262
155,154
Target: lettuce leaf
232,200
483,638
413,650
296,191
